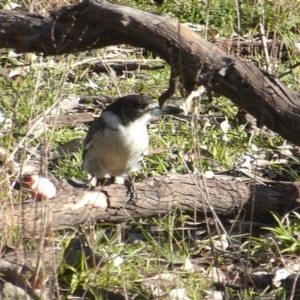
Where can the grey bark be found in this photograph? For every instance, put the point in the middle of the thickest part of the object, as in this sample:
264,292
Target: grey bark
95,24
155,196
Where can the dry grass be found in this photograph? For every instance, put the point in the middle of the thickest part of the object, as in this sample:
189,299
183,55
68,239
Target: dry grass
178,247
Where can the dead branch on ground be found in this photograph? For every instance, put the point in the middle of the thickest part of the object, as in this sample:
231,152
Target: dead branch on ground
194,61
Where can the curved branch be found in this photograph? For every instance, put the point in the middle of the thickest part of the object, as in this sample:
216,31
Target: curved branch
95,24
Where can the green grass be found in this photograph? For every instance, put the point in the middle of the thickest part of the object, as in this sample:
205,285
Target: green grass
30,85
286,234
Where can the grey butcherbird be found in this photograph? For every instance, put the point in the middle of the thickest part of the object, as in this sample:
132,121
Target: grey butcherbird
118,139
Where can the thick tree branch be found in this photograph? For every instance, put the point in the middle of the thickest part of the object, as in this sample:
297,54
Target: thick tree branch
162,195
95,24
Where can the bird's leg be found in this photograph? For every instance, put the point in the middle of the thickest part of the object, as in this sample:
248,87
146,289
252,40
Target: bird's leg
94,182
102,182
131,190
129,183
91,184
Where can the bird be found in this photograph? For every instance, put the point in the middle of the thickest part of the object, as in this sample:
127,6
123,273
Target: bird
117,140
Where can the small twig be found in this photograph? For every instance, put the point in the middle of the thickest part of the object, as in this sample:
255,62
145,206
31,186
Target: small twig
173,82
264,42
291,69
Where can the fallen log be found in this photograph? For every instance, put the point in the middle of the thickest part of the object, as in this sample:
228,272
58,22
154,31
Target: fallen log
162,195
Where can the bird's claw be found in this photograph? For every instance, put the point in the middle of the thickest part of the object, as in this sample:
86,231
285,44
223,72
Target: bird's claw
131,190
93,183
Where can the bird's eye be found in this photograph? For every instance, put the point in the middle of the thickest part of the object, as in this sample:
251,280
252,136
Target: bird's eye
140,105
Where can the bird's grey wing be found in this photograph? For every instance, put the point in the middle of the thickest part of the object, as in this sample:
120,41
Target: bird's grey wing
96,125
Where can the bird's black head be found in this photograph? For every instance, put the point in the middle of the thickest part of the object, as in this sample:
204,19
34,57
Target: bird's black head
130,107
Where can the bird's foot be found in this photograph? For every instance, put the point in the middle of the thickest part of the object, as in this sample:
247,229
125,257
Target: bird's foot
95,182
131,190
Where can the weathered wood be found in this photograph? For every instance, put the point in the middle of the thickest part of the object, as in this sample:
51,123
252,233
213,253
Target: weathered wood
32,270
94,24
13,265
156,196
64,120
124,67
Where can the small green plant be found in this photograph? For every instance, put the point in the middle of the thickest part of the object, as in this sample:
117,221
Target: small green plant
287,233
31,84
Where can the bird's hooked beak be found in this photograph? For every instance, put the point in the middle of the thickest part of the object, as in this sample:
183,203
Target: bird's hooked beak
168,110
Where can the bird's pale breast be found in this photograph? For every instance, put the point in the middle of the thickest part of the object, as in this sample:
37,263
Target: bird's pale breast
116,151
